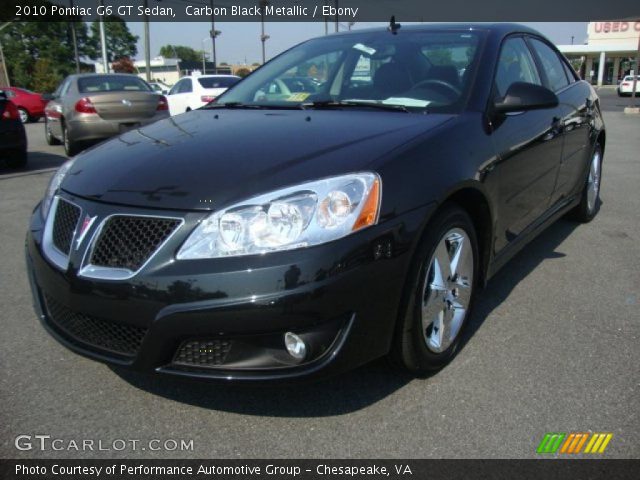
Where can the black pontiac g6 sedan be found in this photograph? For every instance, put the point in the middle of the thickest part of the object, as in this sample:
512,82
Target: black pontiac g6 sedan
273,235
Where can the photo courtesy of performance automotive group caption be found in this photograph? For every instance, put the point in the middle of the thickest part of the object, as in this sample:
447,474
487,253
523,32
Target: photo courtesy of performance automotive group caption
258,239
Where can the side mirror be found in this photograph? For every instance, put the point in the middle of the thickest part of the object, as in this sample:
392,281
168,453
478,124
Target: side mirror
523,96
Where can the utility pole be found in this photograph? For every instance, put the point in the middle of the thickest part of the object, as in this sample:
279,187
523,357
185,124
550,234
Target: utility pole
636,72
326,22
263,37
147,46
103,41
2,59
571,39
4,68
214,34
74,40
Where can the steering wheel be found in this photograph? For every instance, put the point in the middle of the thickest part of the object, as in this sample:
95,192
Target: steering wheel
444,86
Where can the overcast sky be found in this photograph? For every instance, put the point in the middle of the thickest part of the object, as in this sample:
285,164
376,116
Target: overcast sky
241,41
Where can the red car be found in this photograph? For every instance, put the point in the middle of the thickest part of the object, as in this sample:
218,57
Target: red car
30,104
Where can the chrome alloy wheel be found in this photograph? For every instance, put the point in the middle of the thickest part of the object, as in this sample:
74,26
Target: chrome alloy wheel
593,181
447,290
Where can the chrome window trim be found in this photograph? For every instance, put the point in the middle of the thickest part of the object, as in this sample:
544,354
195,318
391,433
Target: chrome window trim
87,270
58,258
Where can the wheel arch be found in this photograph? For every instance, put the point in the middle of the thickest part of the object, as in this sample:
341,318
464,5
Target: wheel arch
473,199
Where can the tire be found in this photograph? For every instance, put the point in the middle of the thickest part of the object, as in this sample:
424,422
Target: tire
589,204
24,115
51,140
70,147
430,326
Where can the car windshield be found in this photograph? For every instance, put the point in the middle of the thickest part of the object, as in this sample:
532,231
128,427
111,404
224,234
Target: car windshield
112,83
217,82
412,70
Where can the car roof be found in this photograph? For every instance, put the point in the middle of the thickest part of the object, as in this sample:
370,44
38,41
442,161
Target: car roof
497,28
89,75
211,76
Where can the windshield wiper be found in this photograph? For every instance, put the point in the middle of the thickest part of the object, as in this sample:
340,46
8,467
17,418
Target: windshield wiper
253,106
356,104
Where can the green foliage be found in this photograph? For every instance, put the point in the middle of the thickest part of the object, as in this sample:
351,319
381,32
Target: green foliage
45,78
185,54
120,41
25,43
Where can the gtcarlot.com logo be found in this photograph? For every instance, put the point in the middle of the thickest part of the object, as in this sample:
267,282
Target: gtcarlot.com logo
572,443
47,442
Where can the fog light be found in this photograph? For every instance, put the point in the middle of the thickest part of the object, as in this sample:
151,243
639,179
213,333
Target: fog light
295,345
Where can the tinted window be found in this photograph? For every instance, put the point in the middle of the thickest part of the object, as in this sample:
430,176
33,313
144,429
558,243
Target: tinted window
551,64
185,86
217,82
515,65
569,71
416,69
111,83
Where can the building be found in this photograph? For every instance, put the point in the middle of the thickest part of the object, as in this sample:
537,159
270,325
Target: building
169,70
609,52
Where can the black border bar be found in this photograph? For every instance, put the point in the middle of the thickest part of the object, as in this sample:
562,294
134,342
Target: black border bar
592,469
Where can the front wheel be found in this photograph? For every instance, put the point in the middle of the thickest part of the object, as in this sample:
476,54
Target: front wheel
441,290
51,140
589,204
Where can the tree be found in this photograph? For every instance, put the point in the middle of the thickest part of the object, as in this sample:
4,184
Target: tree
45,78
120,41
123,65
24,43
185,54
243,72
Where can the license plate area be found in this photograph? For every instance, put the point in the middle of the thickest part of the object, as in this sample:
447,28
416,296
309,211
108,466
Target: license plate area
125,127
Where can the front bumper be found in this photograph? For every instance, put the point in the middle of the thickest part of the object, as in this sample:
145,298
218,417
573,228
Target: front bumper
343,297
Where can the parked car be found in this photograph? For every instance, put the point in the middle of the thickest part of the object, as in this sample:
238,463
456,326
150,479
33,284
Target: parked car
625,87
13,139
91,107
194,91
159,87
277,240
30,104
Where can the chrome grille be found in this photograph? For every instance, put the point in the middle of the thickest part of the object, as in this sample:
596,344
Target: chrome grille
64,225
129,241
97,332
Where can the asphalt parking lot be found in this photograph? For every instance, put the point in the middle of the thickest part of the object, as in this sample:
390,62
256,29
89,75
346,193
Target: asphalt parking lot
553,347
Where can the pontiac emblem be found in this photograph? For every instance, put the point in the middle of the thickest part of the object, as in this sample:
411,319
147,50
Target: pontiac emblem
84,228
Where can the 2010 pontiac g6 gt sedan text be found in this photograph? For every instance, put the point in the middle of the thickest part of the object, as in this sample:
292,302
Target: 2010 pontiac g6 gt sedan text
273,236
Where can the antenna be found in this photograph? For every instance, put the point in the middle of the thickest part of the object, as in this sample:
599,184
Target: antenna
393,26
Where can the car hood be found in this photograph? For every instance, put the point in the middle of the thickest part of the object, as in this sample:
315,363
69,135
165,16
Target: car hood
208,159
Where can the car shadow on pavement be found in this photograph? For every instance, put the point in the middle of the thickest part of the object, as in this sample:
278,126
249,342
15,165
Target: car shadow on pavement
353,390
519,267
36,163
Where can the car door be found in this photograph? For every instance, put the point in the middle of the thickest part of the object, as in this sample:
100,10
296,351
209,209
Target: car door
54,109
178,96
528,144
575,110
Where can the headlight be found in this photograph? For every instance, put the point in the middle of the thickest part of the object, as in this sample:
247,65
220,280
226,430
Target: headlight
300,216
54,184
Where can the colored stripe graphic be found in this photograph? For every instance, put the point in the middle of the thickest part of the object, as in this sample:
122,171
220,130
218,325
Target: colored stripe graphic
552,442
598,443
